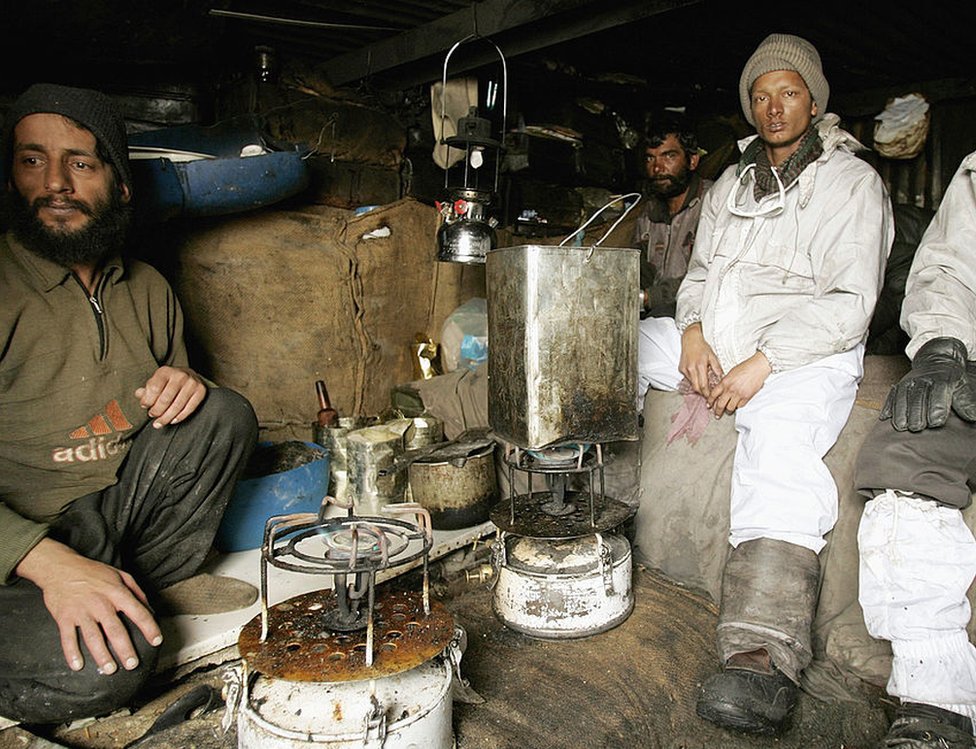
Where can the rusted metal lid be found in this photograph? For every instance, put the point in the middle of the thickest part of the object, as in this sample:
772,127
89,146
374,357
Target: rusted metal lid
299,647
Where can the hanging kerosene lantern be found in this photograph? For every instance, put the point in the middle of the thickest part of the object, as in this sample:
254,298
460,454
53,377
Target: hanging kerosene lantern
467,231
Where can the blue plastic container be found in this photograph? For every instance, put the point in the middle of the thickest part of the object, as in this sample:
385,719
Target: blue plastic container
226,183
299,489
216,187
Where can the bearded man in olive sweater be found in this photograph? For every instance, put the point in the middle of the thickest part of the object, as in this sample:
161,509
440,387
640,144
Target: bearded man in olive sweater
116,458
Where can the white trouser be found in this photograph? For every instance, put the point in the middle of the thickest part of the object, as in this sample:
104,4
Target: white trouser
781,488
918,559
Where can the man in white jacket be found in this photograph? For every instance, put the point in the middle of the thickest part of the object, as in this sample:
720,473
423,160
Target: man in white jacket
771,321
917,556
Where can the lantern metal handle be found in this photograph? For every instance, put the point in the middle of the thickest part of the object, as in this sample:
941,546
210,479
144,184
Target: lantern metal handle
447,59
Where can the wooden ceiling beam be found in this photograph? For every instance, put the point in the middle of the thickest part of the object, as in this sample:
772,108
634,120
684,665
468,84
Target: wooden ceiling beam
554,21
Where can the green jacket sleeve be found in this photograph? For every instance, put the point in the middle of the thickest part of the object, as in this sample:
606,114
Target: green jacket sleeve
18,535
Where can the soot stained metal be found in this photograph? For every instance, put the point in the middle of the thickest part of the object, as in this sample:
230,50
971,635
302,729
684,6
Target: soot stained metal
562,382
355,666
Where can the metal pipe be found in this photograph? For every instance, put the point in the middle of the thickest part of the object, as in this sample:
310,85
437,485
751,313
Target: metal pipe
298,21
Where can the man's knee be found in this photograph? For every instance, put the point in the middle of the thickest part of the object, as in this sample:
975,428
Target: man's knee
230,411
935,464
68,695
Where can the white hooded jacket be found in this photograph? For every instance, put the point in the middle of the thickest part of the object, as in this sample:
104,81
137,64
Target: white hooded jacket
796,274
940,295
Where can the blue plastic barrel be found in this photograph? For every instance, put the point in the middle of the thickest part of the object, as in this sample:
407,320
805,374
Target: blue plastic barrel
255,499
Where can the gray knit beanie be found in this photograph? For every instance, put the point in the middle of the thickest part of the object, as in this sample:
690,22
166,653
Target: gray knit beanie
92,109
785,52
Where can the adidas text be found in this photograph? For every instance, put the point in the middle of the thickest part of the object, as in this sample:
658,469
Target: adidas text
95,448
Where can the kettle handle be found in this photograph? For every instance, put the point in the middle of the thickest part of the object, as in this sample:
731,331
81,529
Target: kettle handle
617,199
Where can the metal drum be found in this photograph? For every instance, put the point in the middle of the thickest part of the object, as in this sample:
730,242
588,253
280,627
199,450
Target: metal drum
563,589
562,357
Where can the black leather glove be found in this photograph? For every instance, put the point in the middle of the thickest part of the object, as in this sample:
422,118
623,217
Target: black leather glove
936,383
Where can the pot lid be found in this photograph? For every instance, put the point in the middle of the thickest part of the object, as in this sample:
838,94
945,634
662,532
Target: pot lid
473,443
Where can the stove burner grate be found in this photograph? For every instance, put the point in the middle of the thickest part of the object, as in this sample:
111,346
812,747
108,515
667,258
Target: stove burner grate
352,550
529,515
559,511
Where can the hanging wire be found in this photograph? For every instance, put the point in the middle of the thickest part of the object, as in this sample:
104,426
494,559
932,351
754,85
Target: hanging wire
364,82
331,122
298,21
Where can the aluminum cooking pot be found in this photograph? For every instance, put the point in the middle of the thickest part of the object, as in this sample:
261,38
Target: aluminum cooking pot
457,483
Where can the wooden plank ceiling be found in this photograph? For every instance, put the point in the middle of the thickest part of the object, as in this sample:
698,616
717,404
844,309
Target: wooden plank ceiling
665,48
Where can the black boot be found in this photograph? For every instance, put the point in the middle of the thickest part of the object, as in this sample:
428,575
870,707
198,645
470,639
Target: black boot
750,695
918,726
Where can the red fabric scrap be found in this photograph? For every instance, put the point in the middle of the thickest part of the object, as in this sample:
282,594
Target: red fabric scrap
692,417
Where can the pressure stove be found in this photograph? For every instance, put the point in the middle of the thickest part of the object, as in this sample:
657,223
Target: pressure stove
562,569
354,665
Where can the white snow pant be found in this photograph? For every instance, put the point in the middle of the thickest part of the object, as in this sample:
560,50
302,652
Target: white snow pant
917,560
781,488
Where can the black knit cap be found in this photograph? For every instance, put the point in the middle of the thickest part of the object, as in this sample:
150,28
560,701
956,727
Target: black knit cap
92,109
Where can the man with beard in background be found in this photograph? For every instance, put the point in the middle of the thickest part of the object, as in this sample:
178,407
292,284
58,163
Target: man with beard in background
116,458
667,223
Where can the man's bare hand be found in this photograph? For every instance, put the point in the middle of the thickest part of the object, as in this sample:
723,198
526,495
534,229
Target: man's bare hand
171,395
738,387
87,596
698,360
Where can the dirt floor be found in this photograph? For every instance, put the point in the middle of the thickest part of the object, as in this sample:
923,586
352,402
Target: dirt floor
633,687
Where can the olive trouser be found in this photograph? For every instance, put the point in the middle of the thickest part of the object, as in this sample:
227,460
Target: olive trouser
938,464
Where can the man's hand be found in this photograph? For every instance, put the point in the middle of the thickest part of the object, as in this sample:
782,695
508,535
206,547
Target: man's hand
936,383
171,395
87,596
742,382
698,360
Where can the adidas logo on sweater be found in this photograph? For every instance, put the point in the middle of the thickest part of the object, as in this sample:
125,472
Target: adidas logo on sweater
100,438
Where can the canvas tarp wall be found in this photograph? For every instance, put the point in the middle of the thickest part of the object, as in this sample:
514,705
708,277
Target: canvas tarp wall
278,299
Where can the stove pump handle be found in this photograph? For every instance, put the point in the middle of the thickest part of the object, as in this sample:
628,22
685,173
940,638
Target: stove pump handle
233,678
461,690
374,725
499,557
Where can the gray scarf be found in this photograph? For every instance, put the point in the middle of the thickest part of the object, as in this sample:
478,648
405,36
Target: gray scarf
810,149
